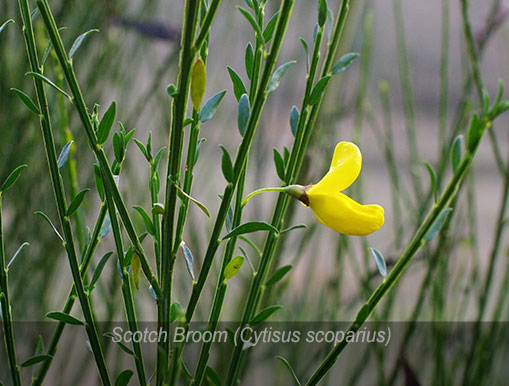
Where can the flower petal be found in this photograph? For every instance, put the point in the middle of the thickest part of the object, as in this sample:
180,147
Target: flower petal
344,169
344,215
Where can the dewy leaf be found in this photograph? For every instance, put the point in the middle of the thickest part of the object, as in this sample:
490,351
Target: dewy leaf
226,164
106,123
63,317
437,224
344,62
188,257
25,244
243,114
210,107
249,59
433,178
318,90
79,40
280,165
238,86
268,32
250,227
64,154
194,200
278,75
44,79
233,267
294,119
146,219
27,101
36,359
123,378
50,223
380,261
264,314
100,266
278,275
252,21
5,25
76,202
290,369
12,178
456,152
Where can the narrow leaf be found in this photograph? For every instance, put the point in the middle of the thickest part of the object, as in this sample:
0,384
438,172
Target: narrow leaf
226,164
26,100
433,179
194,200
100,266
123,378
294,119
118,147
249,60
63,317
250,227
6,24
278,275
76,202
233,267
238,86
299,226
252,21
306,52
278,75
146,219
79,40
318,90
229,219
212,376
268,32
437,225
12,178
25,244
36,359
280,165
380,261
106,123
344,62
290,369
456,152
50,223
49,82
243,115
106,228
64,154
264,314
188,257
210,107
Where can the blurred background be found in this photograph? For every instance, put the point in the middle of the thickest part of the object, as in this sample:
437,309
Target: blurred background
396,84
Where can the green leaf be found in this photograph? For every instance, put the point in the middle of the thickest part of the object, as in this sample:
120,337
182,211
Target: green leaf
194,200
249,60
437,224
318,90
278,75
171,90
188,257
123,378
25,244
290,369
118,147
330,25
210,107
456,152
141,146
212,376
35,12
344,62
98,181
175,311
380,261
198,147
76,202
264,314
49,82
322,12
149,226
65,318
250,227
238,86
226,164
294,120
268,32
122,346
433,178
157,208
50,223
243,115
280,164
6,24
157,158
233,267
28,102
12,178
306,52
229,219
106,123
474,132
252,21
79,40
299,226
36,359
278,275
98,270
64,154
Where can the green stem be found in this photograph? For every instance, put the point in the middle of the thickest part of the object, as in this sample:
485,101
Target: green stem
58,190
98,150
6,310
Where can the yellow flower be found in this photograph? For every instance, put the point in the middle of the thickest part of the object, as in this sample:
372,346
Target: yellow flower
333,208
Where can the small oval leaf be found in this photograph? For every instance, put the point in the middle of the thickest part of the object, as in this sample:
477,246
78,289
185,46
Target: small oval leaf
146,219
64,154
12,178
294,119
63,317
106,123
238,86
456,152
250,227
264,314
36,359
76,202
280,164
380,261
318,90
188,256
233,267
123,378
26,100
344,62
278,275
243,114
437,224
79,41
226,164
278,75
210,107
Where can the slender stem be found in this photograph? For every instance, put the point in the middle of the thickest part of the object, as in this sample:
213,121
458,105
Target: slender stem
444,79
6,310
206,24
98,150
58,190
